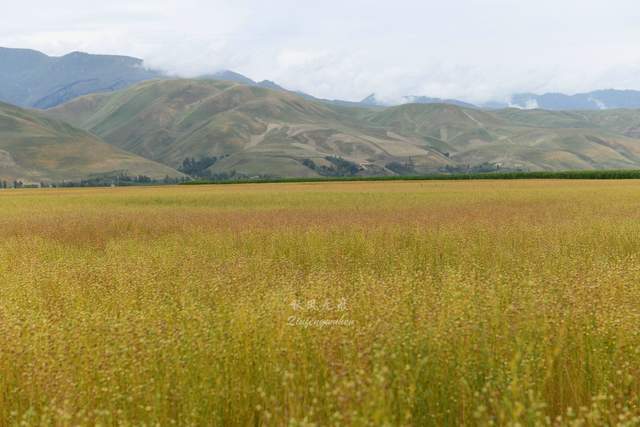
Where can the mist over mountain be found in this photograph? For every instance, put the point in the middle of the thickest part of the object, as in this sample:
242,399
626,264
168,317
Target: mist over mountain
596,100
29,78
372,100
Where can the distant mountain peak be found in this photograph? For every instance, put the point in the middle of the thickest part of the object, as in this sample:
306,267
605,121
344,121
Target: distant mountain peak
230,76
20,51
597,100
268,84
52,80
76,53
372,100
429,100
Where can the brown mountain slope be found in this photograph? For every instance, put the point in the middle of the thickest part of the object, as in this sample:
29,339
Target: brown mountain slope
36,148
260,130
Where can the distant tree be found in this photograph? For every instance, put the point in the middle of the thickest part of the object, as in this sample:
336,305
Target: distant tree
343,167
406,168
310,164
197,168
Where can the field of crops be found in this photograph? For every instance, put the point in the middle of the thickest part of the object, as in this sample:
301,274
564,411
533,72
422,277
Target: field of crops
348,303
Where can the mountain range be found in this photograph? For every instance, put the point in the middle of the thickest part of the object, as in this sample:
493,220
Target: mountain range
29,78
138,122
253,130
256,131
373,101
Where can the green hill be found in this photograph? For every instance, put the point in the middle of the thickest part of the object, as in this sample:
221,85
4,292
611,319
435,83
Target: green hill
35,148
260,131
625,122
256,131
519,139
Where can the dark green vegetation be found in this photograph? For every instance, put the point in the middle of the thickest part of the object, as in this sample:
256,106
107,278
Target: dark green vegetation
579,174
35,148
32,79
254,132
337,167
198,168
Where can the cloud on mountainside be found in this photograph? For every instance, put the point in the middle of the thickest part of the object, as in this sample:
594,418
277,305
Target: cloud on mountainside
470,49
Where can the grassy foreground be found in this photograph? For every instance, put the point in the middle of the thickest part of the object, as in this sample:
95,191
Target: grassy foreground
362,303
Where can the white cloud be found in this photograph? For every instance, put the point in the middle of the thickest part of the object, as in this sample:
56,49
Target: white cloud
470,49
289,58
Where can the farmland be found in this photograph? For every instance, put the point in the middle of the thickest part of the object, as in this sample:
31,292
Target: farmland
338,303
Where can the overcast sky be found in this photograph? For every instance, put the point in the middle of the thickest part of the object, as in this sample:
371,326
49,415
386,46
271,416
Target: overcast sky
469,49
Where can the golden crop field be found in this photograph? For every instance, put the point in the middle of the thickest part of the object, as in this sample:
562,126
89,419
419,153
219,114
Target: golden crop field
346,304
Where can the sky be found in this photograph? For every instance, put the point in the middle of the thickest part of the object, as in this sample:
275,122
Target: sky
475,50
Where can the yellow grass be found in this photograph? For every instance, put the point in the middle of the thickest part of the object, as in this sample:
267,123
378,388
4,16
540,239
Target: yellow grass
436,303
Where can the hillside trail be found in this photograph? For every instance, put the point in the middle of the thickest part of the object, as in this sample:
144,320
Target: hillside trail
476,121
258,139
